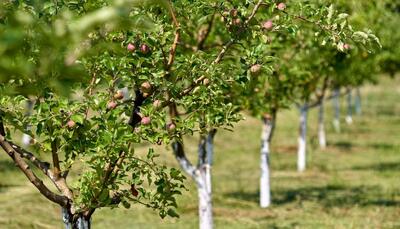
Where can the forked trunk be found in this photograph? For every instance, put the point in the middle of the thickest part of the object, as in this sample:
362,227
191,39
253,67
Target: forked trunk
301,153
321,126
349,116
265,185
77,221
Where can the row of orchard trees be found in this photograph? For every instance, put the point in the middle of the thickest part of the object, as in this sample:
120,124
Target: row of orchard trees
104,76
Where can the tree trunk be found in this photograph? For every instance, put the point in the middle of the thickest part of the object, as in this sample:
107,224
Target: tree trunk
321,126
205,197
301,153
336,108
78,221
206,153
349,118
357,102
265,186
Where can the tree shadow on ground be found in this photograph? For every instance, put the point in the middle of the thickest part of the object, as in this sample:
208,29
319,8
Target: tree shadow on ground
342,145
382,167
327,196
383,146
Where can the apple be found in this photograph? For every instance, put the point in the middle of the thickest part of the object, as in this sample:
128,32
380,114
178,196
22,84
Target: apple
145,87
131,47
233,12
145,120
237,21
157,103
71,124
111,105
255,69
144,49
206,81
119,95
281,6
268,25
171,126
346,46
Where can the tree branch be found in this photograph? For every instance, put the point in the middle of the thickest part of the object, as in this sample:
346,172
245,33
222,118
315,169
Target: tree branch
24,167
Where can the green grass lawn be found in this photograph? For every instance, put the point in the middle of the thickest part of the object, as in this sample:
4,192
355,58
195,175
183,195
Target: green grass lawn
354,183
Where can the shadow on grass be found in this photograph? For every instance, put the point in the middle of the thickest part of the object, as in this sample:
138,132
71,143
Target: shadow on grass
342,145
382,167
327,196
383,146
7,166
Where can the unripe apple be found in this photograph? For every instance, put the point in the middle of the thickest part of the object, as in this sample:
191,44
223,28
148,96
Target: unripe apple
71,124
111,105
206,81
255,69
281,6
267,25
157,103
144,49
145,120
119,95
346,46
131,47
145,87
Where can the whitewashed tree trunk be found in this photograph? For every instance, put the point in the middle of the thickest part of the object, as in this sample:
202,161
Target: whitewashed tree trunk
205,197
357,102
204,185
265,185
336,109
301,153
321,126
349,116
75,222
201,174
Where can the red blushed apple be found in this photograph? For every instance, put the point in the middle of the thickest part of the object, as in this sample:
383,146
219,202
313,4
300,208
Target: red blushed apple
145,87
111,105
281,6
346,46
268,25
71,124
144,48
119,95
145,120
131,47
171,126
255,69
233,13
156,103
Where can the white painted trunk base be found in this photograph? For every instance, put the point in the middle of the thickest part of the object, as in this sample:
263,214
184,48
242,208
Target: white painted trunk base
205,198
301,153
336,108
265,185
321,126
349,118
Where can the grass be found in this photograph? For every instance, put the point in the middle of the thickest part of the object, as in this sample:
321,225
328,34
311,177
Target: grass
354,183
